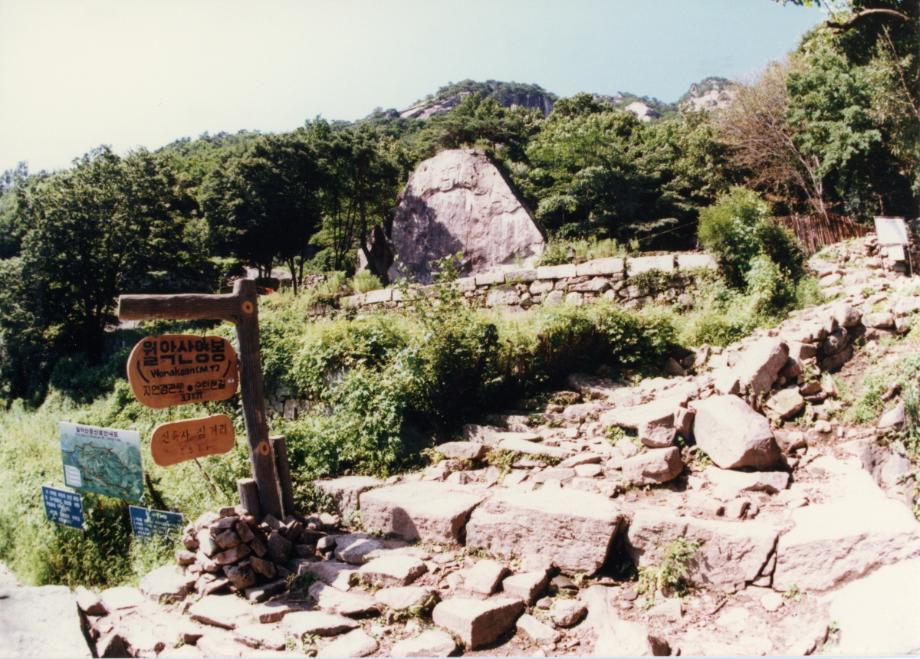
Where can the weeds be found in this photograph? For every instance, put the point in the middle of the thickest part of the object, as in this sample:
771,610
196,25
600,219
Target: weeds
673,573
502,459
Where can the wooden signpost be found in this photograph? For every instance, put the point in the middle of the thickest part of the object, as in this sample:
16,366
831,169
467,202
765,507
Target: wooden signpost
240,308
178,369
178,441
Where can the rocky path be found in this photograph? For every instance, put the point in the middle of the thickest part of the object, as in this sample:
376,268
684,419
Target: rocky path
38,621
724,510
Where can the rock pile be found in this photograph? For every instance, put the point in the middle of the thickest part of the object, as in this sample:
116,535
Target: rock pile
230,550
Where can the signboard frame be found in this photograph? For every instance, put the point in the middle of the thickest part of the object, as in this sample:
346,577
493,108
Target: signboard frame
108,451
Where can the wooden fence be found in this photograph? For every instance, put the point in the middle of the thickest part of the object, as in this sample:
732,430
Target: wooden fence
814,231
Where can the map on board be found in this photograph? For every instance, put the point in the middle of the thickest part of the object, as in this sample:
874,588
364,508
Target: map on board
103,460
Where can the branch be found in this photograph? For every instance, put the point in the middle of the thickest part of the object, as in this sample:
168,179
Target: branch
859,15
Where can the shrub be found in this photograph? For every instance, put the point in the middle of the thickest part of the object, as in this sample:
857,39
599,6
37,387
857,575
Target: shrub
560,251
739,227
364,281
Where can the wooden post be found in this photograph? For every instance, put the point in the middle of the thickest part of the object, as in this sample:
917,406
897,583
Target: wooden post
279,448
240,308
249,496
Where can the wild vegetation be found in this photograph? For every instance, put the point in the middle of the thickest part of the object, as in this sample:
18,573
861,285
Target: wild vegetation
843,139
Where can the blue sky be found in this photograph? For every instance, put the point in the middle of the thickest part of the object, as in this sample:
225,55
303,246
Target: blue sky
78,73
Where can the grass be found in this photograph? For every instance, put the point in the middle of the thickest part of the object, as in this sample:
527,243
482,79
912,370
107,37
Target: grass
559,252
42,552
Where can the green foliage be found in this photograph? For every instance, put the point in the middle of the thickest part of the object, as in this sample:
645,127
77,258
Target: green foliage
594,171
261,204
738,228
107,226
501,459
360,176
364,281
871,402
559,251
673,573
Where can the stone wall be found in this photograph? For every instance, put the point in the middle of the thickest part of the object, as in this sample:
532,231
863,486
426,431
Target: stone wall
632,281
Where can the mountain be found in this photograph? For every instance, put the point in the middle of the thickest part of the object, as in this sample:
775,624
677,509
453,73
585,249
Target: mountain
708,94
711,93
506,93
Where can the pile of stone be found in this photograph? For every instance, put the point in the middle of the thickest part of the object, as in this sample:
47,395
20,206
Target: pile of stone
232,550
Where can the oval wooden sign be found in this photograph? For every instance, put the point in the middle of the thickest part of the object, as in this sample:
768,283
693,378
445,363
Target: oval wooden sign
175,442
178,369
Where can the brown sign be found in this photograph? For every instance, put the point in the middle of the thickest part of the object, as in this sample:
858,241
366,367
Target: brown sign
185,440
177,369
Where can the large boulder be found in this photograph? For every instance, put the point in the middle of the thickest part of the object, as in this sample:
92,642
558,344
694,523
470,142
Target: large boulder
729,555
733,435
458,201
427,511
759,364
574,528
838,541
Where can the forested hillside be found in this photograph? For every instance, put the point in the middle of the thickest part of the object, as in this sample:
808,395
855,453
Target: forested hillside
832,130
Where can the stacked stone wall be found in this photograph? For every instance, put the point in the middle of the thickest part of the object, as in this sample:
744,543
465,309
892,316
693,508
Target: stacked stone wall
631,281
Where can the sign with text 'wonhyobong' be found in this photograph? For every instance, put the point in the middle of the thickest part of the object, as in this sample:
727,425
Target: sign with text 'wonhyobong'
178,369
175,442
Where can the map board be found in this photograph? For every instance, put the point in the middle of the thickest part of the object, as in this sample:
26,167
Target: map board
102,460
146,522
178,369
177,441
63,506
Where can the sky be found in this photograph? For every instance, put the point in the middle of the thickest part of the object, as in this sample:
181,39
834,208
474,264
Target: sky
75,74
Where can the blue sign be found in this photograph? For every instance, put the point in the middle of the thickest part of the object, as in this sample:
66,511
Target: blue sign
146,522
63,506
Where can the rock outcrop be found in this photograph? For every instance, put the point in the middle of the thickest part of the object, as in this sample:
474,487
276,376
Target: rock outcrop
458,201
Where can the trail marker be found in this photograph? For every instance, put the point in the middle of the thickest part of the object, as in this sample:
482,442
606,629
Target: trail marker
175,442
178,369
146,522
240,308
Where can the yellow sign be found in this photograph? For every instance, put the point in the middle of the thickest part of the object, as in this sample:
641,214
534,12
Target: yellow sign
175,442
178,369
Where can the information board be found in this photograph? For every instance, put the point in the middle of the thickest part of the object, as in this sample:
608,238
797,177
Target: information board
103,460
891,231
146,522
179,369
63,506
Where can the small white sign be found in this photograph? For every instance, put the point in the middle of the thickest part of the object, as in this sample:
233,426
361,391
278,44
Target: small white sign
891,231
72,477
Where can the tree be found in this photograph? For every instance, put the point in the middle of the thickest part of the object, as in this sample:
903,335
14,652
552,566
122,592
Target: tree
12,185
829,102
762,143
262,204
480,121
360,179
109,225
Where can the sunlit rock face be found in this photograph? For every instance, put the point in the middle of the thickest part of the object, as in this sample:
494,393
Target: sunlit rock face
458,202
